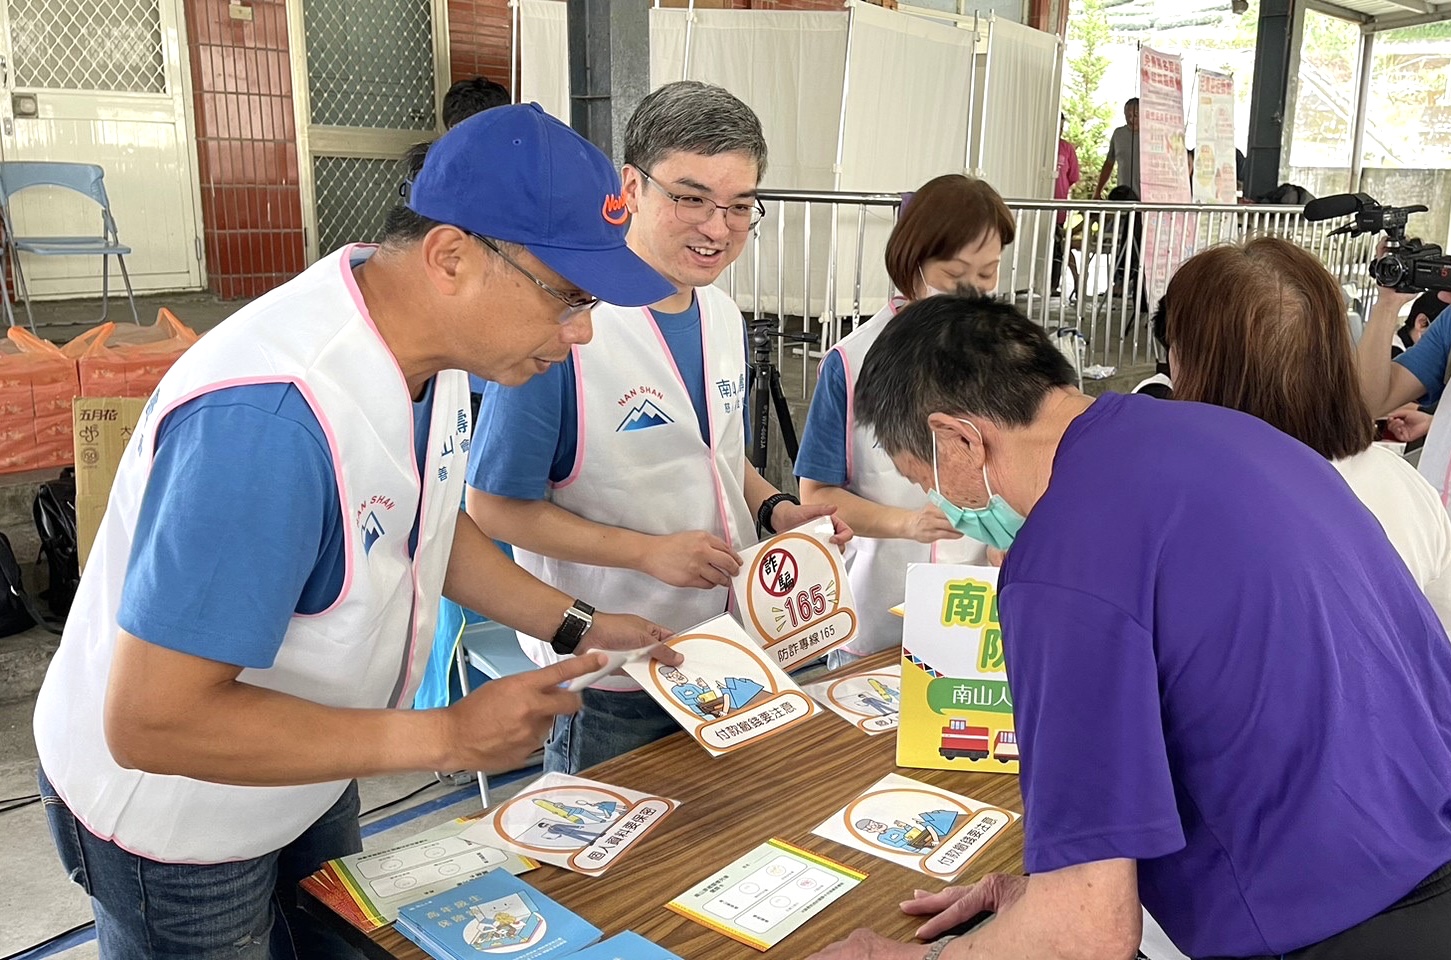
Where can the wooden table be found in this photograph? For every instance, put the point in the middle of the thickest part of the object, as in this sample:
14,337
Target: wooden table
731,804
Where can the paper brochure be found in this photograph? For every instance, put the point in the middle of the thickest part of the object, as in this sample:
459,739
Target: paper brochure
767,894
497,915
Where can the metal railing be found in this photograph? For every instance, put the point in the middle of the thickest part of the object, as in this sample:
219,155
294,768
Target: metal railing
816,264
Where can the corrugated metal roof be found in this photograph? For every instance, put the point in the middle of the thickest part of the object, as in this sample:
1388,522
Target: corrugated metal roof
1387,14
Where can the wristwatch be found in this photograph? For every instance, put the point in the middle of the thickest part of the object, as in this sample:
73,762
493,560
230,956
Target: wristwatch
577,619
768,507
935,950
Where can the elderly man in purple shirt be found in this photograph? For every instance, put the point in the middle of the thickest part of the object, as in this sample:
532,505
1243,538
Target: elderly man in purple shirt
1232,701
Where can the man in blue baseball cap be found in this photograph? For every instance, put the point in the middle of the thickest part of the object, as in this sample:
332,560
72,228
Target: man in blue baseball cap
263,585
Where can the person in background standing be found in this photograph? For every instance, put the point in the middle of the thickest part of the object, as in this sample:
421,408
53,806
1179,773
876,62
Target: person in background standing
1068,175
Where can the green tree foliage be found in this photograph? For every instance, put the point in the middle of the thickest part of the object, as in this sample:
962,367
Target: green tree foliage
1090,117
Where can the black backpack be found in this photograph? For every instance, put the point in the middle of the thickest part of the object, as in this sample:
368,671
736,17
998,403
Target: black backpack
17,610
55,521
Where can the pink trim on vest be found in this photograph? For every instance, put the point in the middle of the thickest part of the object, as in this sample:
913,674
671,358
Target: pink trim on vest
349,561
725,517
350,283
137,853
579,431
895,304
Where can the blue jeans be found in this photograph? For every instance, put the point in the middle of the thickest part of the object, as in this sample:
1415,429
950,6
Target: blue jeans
245,910
609,724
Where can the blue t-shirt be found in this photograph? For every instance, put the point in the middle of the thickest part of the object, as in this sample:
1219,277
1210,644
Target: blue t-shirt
1427,359
527,435
1221,668
823,441
240,525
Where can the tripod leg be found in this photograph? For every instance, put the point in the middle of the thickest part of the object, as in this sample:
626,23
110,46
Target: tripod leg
783,417
760,421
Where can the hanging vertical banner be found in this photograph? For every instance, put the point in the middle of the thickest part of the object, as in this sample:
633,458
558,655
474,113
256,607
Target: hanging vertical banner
1163,168
1214,176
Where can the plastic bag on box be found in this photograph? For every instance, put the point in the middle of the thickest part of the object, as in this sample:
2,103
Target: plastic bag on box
37,383
126,360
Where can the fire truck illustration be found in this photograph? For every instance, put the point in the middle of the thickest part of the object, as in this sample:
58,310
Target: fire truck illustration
1005,747
959,740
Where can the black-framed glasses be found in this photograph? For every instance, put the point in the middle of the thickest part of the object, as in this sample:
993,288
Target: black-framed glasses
695,210
572,304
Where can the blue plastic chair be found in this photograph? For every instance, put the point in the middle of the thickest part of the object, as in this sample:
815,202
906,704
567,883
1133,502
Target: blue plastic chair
85,179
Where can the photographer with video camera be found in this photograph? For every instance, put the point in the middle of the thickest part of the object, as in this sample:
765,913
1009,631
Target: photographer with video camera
1404,269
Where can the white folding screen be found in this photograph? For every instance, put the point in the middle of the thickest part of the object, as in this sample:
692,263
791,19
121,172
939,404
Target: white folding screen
544,56
1017,143
1019,92
787,66
906,121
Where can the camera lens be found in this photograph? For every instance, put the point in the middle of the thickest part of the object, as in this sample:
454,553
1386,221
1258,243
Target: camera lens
1388,271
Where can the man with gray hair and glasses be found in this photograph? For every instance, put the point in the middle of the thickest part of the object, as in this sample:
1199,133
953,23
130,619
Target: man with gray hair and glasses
622,473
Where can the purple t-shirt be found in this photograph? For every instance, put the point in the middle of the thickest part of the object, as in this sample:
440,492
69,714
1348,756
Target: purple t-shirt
1222,669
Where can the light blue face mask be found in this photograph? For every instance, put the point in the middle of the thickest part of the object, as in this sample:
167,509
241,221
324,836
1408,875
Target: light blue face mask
996,524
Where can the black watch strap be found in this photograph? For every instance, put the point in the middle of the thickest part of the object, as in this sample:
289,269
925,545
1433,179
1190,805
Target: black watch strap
768,507
577,620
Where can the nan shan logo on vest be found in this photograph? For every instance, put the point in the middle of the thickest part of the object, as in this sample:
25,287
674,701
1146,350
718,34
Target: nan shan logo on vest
645,413
367,518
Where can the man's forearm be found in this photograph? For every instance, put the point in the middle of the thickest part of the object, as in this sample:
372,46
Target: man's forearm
1373,359
757,489
231,732
1104,174
544,528
482,578
866,519
1055,925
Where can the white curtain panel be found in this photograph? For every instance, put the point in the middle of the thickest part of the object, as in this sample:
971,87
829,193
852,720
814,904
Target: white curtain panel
544,56
1019,89
906,121
788,67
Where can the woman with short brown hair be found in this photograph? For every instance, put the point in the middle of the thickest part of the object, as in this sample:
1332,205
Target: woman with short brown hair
949,239
1260,327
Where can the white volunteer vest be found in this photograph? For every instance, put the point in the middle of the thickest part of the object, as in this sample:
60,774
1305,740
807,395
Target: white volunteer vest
367,650
876,568
640,462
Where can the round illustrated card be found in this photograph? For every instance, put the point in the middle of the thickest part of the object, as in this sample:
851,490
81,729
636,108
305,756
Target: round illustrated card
873,700
559,819
904,821
717,678
795,587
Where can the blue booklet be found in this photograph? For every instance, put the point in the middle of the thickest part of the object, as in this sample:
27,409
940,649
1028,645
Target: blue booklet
625,946
496,914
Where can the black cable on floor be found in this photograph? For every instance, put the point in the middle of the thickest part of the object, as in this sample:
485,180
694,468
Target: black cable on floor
49,940
394,803
19,803
28,796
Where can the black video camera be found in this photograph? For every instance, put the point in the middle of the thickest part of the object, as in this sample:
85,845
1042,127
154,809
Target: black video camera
1409,265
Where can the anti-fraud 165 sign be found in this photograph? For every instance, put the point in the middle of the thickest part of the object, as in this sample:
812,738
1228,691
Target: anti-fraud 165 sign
794,597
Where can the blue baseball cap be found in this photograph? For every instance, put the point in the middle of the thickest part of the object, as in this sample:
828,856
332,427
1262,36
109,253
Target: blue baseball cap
517,174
